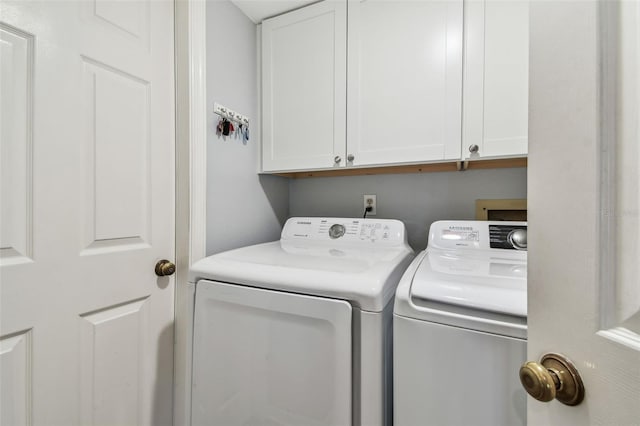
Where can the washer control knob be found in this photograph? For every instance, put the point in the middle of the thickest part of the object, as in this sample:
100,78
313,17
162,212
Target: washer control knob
518,239
336,231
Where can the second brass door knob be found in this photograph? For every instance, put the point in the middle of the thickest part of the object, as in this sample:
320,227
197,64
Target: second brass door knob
553,377
538,381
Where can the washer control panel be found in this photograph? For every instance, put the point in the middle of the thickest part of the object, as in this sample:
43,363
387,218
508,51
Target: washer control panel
347,230
510,237
472,234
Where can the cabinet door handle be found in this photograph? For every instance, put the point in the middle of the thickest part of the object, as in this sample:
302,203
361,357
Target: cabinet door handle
473,148
337,159
350,157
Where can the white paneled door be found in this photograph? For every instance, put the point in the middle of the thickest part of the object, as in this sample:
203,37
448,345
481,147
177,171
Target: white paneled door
584,205
87,209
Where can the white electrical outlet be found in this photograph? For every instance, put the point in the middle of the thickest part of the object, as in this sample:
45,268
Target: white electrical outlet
370,201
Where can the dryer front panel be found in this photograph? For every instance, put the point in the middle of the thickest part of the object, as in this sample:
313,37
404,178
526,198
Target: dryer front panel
270,358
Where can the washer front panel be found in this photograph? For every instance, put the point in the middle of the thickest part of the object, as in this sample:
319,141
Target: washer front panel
449,376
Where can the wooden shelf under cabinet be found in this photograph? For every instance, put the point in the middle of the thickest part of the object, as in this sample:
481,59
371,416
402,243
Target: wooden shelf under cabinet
413,168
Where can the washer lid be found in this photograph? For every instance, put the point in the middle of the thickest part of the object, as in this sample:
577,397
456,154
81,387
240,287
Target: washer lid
353,268
483,280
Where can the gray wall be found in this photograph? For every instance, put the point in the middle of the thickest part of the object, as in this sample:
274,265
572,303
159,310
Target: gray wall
242,207
416,199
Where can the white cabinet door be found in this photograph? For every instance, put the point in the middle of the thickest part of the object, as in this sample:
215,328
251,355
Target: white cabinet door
584,215
265,357
496,78
404,81
86,209
303,88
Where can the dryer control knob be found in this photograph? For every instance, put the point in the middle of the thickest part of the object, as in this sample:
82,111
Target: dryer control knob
336,231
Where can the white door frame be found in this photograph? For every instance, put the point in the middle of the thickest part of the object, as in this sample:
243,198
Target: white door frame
191,184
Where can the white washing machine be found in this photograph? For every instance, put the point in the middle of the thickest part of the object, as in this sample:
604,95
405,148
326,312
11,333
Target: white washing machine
298,331
460,328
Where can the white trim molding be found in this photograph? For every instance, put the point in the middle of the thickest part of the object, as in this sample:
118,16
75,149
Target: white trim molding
198,127
191,184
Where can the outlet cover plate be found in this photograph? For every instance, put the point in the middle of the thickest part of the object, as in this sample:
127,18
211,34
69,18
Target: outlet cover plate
370,200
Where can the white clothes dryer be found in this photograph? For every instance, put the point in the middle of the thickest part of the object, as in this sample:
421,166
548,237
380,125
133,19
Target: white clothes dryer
460,328
298,331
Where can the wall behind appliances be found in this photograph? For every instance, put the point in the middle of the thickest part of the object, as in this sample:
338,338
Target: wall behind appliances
416,199
242,207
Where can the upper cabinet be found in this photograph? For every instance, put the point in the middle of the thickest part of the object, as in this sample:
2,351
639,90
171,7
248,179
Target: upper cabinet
496,79
395,90
303,88
399,103
404,85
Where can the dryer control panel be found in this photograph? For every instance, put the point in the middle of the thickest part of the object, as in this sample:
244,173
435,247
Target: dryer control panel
345,230
481,235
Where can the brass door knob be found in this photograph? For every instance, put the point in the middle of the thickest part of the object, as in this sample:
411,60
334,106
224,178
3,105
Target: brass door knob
164,268
554,377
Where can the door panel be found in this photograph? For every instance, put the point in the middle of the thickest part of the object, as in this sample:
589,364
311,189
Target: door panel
15,371
266,357
584,216
111,375
131,17
304,88
623,197
496,78
16,131
506,78
404,81
117,128
87,199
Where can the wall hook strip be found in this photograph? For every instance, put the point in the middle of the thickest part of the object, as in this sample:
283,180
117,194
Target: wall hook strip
230,114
